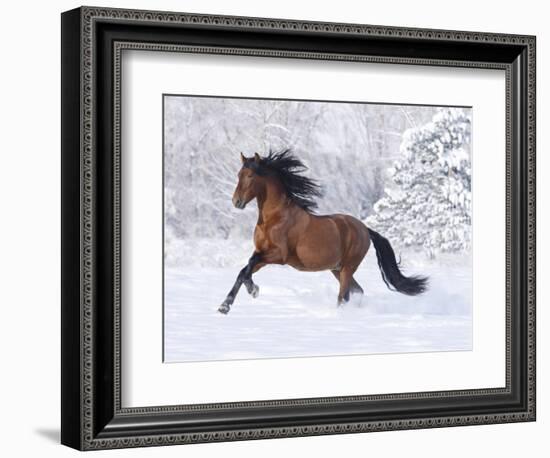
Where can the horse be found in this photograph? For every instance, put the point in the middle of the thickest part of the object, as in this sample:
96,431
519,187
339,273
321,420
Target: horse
289,232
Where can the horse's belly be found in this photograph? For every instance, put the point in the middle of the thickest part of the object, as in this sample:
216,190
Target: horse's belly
313,262
318,249
306,265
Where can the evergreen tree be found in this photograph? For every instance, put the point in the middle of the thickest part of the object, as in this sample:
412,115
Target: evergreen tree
428,203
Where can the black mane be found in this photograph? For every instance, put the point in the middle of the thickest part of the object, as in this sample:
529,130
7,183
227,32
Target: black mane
288,168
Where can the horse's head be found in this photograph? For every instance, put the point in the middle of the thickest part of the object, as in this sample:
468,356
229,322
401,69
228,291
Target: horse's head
250,182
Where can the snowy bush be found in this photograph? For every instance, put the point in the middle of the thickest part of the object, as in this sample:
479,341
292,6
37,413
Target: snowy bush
427,204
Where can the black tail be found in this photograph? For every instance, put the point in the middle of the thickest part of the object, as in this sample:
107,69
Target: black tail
391,274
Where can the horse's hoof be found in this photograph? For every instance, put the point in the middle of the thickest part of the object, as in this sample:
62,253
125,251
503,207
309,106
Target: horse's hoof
341,303
255,291
224,308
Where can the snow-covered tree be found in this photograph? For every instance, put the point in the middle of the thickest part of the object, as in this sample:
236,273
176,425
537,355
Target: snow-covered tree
427,204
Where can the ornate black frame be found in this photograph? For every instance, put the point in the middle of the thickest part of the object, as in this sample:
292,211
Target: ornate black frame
92,42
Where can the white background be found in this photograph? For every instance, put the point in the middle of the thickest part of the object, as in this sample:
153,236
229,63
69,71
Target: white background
30,244
147,76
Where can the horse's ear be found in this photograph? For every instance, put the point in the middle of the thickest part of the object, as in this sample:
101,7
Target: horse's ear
257,158
243,159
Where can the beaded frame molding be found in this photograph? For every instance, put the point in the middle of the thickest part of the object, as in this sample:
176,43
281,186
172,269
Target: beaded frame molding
93,40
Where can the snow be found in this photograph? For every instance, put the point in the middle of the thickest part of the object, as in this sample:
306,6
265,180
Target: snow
403,170
296,313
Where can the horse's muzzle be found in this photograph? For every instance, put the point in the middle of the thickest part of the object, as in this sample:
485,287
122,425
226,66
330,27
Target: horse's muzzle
239,203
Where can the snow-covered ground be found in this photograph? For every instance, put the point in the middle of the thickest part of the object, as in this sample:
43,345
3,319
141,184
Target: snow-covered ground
296,313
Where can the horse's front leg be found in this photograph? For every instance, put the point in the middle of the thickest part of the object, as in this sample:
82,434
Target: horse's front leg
252,288
245,276
263,259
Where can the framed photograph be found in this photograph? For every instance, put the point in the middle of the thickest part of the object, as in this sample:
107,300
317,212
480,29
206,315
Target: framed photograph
276,228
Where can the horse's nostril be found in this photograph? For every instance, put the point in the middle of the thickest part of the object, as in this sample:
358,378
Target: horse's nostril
237,203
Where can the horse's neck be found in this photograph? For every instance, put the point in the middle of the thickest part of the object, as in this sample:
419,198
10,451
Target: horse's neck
272,201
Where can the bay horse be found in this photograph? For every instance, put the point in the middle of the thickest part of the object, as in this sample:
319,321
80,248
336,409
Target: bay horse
288,232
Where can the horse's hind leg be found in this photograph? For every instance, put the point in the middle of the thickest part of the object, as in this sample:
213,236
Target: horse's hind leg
354,287
346,276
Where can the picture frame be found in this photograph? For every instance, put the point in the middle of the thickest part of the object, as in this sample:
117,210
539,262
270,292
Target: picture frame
93,416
